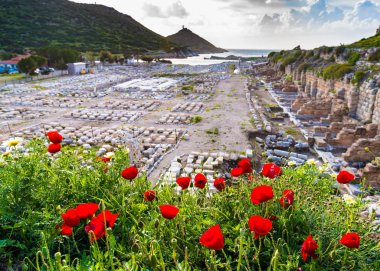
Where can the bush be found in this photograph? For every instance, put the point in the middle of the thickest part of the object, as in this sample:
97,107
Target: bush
353,57
336,71
196,119
358,77
36,189
374,57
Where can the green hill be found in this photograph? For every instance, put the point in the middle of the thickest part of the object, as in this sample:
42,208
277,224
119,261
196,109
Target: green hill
35,23
370,42
194,42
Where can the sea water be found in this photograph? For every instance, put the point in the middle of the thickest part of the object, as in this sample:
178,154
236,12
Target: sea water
202,58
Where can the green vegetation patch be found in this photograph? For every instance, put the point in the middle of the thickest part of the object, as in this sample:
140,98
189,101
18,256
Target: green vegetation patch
336,71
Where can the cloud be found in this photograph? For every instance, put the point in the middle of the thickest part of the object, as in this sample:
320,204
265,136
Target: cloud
365,10
176,9
317,14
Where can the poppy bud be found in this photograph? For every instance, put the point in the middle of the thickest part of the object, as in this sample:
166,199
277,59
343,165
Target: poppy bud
153,261
156,223
174,241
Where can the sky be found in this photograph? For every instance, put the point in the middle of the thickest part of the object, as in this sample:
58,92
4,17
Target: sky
258,24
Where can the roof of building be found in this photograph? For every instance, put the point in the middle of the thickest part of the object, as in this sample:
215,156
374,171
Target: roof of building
14,60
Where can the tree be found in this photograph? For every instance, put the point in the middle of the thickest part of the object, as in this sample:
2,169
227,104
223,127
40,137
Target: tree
30,64
5,56
105,56
55,55
147,59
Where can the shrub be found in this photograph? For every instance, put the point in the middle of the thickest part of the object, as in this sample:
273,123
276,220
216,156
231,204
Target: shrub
196,119
353,57
358,77
374,56
303,67
336,71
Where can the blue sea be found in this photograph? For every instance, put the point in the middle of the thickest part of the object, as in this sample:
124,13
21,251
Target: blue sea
200,60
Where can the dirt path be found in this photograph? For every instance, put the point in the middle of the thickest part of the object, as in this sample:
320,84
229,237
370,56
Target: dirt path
222,127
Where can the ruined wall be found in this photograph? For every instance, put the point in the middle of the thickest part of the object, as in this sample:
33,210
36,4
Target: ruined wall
376,111
367,100
358,153
371,173
362,103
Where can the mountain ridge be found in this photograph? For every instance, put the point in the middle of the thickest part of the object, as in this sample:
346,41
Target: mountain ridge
79,26
196,43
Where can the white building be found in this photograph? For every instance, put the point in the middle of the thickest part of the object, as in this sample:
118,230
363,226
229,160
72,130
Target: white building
76,68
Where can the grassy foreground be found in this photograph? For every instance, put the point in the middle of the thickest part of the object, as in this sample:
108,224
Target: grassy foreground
36,189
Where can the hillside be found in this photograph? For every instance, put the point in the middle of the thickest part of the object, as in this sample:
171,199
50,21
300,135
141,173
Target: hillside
370,42
35,23
196,43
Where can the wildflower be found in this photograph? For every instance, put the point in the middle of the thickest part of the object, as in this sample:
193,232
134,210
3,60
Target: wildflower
311,162
71,218
245,165
287,199
349,199
54,137
350,240
212,238
236,172
109,155
345,177
13,142
97,227
86,210
259,225
200,180
130,173
183,182
261,194
308,248
168,211
270,170
66,230
220,184
292,163
54,148
98,224
149,195
106,159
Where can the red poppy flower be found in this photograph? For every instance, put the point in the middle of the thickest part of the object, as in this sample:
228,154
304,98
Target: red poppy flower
220,183
86,210
345,177
308,248
200,180
66,230
130,173
54,137
245,165
259,225
251,178
350,240
71,218
261,194
108,217
183,182
54,148
97,227
236,172
106,159
149,195
270,170
168,211
212,238
287,199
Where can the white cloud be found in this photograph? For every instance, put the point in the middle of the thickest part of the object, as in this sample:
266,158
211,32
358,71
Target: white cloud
176,9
